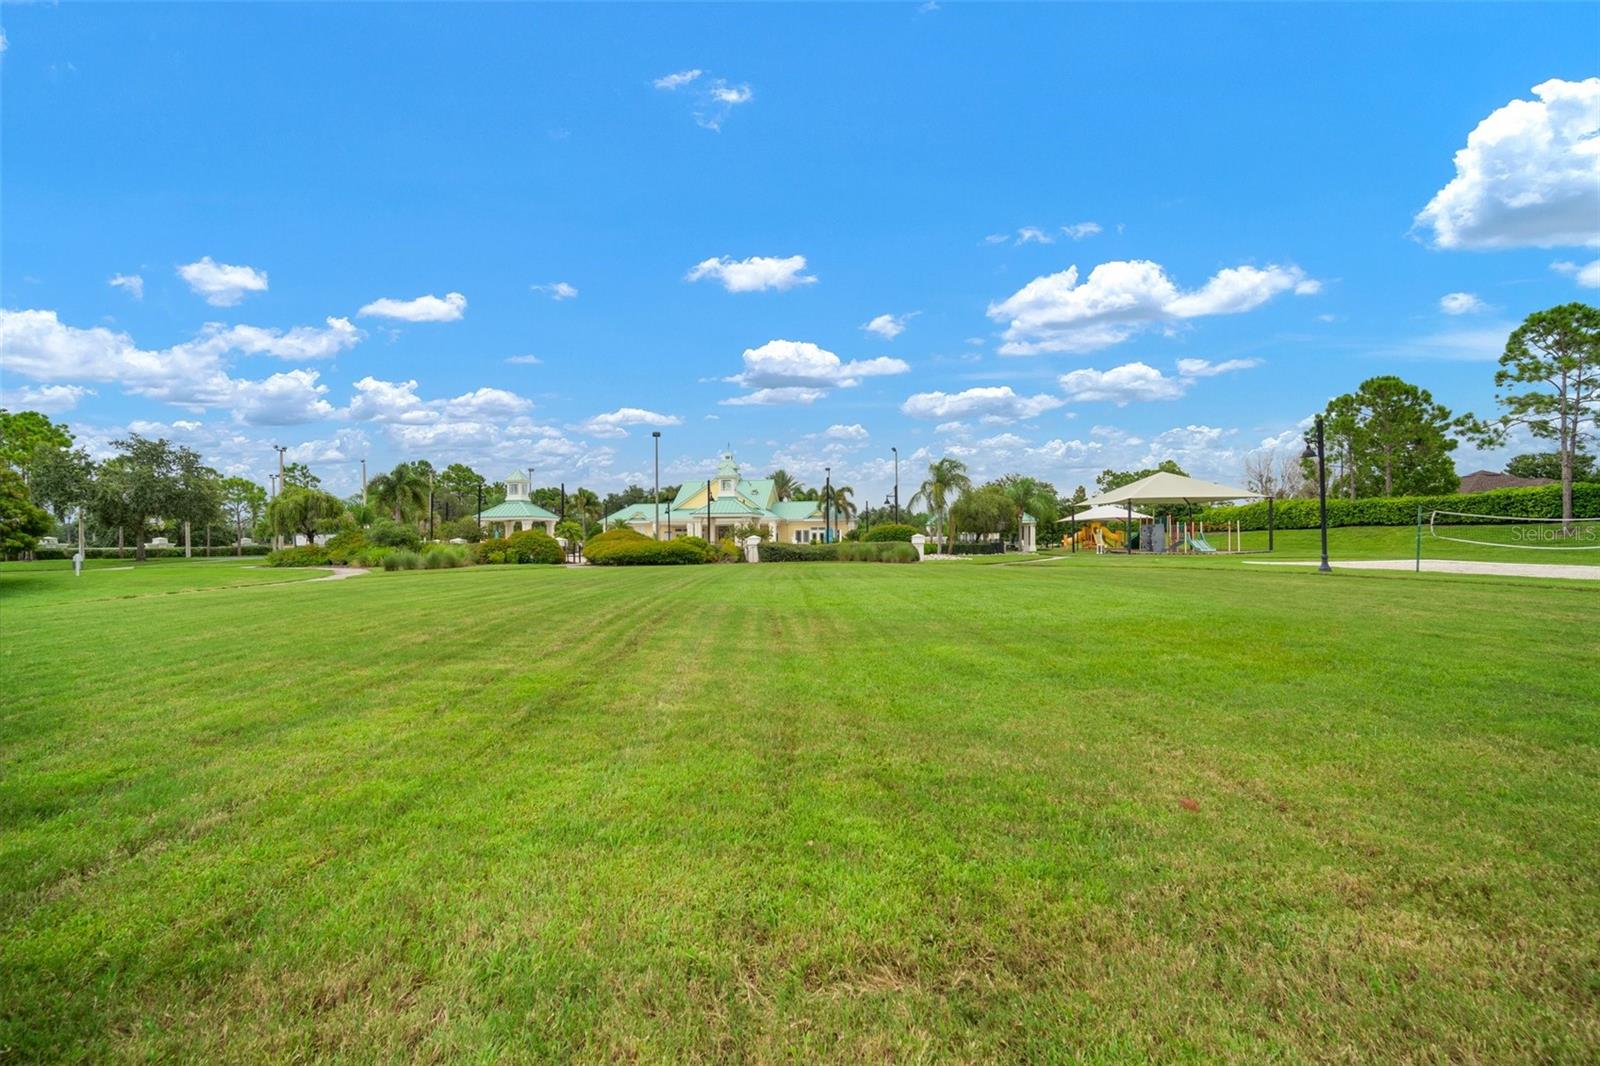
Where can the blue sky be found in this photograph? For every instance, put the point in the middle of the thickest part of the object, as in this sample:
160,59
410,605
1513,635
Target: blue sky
514,236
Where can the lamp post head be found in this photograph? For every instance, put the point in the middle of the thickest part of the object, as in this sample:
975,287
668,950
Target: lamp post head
656,433
1309,453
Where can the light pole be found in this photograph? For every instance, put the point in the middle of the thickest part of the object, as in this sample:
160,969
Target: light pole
281,450
896,483
1322,491
272,494
657,494
480,507
363,483
827,505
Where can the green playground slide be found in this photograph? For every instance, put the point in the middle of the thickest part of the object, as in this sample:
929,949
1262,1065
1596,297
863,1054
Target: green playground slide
1198,544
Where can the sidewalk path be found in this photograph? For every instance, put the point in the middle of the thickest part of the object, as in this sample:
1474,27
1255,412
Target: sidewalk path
1455,566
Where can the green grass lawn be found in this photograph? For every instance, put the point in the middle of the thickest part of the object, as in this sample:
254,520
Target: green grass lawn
1079,809
27,585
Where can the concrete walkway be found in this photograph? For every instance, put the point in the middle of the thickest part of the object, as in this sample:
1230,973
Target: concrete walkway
341,572
1455,566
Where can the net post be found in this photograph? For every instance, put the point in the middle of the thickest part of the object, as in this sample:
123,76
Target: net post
1419,539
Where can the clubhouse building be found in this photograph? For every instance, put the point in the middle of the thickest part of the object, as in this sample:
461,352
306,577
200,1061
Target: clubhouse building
713,509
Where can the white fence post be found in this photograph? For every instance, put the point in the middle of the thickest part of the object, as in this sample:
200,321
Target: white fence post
917,542
752,552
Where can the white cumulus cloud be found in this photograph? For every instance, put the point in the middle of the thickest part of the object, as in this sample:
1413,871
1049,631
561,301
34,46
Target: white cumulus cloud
1587,275
132,284
854,431
429,308
46,399
1079,230
615,423
282,399
1054,313
1121,385
889,326
556,290
1204,368
756,274
301,342
221,284
1461,303
990,402
800,372
1529,175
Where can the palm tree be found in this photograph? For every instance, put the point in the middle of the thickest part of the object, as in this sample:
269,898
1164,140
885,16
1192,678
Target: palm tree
1027,494
785,485
843,506
946,480
402,490
587,504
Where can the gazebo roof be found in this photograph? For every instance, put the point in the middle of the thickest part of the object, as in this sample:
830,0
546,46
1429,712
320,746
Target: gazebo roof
516,509
1170,488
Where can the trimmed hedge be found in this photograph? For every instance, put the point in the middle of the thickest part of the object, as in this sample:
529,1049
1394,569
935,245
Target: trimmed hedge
310,555
963,547
218,551
645,552
886,551
526,546
797,553
1542,501
893,531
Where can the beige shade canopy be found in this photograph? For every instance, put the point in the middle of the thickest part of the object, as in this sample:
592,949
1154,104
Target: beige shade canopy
1170,488
1107,514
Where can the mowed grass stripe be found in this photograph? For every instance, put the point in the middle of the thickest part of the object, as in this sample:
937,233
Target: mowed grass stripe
803,811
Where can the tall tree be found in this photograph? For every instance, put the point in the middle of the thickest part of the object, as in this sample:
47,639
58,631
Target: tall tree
1404,439
22,522
1029,496
300,474
62,480
305,511
843,506
402,491
147,479
1548,465
945,482
22,432
243,503
1115,479
1549,383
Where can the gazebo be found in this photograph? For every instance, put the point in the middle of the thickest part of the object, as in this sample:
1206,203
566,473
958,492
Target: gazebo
517,512
1168,489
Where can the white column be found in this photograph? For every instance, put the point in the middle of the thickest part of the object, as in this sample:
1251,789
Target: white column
917,542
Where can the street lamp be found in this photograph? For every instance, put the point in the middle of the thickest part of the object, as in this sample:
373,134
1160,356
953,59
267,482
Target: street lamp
480,507
657,495
896,484
827,505
1320,456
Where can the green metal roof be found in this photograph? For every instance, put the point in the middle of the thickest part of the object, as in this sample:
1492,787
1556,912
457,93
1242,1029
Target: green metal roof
730,505
727,468
517,509
797,510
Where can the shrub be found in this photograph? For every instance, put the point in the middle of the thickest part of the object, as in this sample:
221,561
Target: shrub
972,547
310,555
889,551
466,529
890,531
619,534
346,546
402,559
534,546
370,557
389,534
772,552
642,551
1543,501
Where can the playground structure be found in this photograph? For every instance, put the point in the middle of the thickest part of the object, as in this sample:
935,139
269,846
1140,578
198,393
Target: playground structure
1167,534
1091,530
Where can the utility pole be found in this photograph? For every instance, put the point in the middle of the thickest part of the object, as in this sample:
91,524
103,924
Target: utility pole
656,495
281,450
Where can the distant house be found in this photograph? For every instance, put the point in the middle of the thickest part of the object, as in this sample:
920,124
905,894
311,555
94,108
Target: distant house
735,501
1484,480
